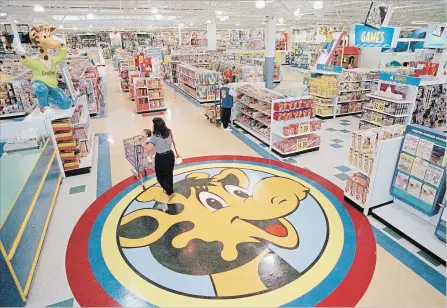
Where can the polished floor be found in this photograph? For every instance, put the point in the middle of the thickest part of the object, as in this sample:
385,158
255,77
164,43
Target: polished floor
245,229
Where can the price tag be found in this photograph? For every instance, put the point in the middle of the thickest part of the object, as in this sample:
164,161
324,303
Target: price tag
376,118
301,144
304,128
379,106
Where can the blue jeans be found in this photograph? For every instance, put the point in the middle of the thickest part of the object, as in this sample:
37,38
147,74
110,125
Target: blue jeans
47,95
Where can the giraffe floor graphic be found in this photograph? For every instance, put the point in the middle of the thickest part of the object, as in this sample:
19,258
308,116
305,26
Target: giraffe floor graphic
240,231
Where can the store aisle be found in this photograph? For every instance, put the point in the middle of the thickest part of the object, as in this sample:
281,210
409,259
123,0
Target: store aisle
83,263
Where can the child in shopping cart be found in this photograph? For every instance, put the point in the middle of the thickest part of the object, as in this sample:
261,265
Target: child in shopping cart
149,153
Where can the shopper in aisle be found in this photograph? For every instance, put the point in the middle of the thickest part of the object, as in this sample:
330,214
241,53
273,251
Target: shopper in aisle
227,104
161,139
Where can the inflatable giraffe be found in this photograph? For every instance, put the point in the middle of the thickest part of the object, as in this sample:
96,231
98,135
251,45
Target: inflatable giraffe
45,69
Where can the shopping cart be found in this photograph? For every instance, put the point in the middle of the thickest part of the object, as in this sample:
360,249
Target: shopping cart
134,152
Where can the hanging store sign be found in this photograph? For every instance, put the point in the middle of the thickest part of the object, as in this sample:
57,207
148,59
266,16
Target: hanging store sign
406,80
385,37
436,36
329,68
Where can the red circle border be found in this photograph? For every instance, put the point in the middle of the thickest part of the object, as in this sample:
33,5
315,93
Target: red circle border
88,292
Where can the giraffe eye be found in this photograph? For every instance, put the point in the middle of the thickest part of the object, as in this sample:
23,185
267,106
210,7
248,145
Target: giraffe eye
44,36
211,201
237,191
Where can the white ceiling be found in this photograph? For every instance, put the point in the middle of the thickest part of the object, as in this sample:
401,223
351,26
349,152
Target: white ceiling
120,15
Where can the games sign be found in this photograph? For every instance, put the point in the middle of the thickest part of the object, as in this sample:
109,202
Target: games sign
384,37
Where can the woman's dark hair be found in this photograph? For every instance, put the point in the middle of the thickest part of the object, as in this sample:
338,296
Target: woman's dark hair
160,128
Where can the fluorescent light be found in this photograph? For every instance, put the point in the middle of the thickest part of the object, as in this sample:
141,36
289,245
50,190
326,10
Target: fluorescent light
158,16
418,22
297,12
90,26
15,20
281,20
38,8
237,24
218,12
318,5
2,14
90,16
191,23
154,10
260,4
61,26
75,28
208,21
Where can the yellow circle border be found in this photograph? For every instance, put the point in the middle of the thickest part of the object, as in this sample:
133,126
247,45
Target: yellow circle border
161,297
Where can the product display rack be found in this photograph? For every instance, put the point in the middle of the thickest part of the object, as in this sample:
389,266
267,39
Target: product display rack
286,125
200,84
149,94
372,157
304,54
418,188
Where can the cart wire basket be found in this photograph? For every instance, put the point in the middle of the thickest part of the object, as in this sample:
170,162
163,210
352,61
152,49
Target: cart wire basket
134,152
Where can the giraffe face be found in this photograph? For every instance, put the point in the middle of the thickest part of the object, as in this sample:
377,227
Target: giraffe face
41,35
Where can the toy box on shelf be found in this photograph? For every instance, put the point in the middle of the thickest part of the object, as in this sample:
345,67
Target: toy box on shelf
200,84
132,75
286,125
372,155
124,74
418,187
149,94
392,102
94,90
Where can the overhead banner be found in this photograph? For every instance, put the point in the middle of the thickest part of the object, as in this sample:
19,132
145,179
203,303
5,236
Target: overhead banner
402,79
436,36
385,37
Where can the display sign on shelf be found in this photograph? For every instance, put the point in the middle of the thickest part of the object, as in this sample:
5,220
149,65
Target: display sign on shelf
329,68
406,80
436,36
419,178
385,37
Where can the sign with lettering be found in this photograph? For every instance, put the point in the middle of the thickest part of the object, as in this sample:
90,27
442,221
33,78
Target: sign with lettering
385,37
436,36
329,68
402,79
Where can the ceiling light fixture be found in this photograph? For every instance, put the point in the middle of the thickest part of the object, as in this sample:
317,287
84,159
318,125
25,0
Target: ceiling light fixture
158,16
90,26
281,20
208,21
318,5
90,16
75,28
297,12
237,24
38,8
218,12
61,26
15,21
191,23
154,10
260,4
2,14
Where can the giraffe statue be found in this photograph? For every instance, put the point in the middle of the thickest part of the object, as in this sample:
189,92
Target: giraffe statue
44,68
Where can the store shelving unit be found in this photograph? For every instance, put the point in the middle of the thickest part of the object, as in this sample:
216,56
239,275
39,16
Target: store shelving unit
304,54
385,109
71,130
286,125
339,92
200,84
149,94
